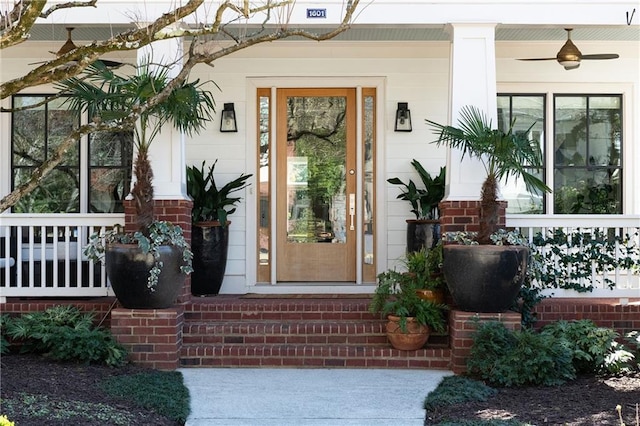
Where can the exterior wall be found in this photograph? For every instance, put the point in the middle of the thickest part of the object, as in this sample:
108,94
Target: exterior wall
401,66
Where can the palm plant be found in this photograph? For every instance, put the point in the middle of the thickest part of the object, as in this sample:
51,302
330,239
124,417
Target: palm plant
114,99
110,97
503,154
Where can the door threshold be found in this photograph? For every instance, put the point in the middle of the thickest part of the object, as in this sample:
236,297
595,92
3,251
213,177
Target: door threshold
312,288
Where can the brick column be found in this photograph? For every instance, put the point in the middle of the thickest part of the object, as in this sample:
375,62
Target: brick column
461,328
153,337
464,216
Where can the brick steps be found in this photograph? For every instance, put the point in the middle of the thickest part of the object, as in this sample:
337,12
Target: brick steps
232,331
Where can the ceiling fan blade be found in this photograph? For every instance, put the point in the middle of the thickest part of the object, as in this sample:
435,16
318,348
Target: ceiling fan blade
601,56
536,59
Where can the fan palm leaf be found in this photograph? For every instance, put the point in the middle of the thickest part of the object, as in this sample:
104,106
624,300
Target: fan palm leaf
504,154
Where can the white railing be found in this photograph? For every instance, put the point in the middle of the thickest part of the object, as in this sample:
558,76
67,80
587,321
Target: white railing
627,282
54,266
41,255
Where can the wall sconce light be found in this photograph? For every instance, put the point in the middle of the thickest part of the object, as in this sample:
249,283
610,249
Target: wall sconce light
403,118
228,122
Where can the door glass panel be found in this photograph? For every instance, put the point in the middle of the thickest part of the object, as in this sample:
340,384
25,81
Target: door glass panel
316,165
368,128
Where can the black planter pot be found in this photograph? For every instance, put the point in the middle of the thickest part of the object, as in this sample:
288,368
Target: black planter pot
210,245
422,233
484,278
128,270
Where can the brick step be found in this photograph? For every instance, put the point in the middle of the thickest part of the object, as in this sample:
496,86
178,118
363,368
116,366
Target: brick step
239,309
276,332
226,331
300,355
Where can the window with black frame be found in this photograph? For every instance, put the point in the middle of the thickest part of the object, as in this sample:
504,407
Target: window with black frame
38,128
587,154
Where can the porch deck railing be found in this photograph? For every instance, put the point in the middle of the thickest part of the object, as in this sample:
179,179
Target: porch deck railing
626,281
41,254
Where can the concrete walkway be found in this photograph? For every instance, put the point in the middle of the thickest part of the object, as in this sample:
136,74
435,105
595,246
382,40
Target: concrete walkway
327,397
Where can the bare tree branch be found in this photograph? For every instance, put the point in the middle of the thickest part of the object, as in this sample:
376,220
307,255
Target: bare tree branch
71,4
76,61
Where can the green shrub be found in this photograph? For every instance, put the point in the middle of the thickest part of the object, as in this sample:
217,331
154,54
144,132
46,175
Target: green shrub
516,358
161,391
66,333
455,390
5,321
595,349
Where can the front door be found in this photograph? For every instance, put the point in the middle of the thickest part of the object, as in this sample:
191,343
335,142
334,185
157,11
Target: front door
316,185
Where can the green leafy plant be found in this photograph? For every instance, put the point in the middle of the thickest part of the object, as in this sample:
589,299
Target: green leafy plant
396,295
595,349
424,266
66,333
455,390
424,201
503,154
516,358
5,321
158,233
211,203
161,391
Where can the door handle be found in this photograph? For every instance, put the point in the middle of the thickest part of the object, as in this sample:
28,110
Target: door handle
352,210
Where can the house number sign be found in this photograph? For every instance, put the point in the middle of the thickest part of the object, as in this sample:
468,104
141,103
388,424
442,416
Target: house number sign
316,13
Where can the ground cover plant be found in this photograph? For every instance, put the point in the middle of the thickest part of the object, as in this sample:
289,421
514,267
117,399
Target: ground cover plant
569,373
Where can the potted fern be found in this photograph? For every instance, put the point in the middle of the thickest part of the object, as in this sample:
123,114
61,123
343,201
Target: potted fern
210,227
483,277
410,318
147,267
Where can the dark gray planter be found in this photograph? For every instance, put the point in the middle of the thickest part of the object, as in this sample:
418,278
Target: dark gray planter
422,233
128,270
484,278
210,245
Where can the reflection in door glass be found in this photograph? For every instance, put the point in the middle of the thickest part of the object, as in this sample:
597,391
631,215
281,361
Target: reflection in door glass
316,152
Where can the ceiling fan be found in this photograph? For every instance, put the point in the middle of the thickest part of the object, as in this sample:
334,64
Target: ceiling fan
570,56
69,45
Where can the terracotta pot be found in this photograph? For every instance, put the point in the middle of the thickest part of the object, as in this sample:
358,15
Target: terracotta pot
415,337
435,296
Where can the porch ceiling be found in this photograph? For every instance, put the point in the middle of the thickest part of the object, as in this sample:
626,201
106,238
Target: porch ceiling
57,32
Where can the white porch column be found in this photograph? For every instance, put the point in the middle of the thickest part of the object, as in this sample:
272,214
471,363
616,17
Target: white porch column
167,151
472,82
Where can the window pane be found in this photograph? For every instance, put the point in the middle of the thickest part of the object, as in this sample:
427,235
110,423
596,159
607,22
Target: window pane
587,191
59,192
61,122
571,131
526,112
604,131
111,149
28,130
108,187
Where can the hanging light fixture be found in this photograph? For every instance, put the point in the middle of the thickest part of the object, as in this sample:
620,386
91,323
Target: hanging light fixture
228,122
403,118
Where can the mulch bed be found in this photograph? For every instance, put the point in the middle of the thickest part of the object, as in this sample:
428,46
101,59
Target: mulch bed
588,400
36,375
